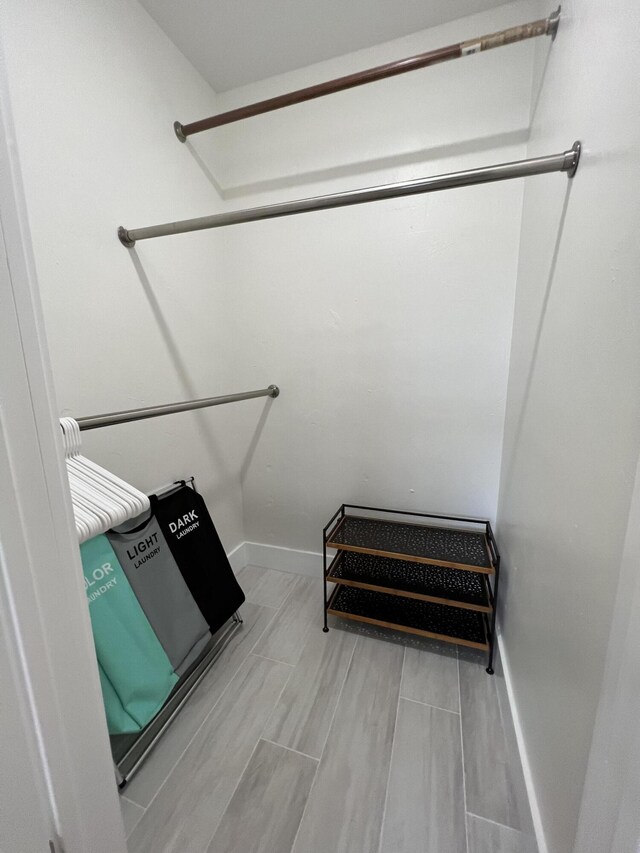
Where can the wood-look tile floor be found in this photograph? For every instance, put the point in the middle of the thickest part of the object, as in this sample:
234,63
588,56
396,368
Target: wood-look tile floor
355,741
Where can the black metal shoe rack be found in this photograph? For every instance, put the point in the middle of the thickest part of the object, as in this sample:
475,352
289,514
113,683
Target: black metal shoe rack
425,578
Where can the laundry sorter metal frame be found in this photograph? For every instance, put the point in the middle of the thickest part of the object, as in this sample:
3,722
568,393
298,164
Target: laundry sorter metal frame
135,755
142,745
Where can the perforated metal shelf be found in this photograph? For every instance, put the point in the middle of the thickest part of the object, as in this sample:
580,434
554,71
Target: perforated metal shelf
420,543
410,579
451,624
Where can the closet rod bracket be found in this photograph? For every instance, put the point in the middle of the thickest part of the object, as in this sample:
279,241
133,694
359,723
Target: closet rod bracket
180,133
553,22
123,236
573,158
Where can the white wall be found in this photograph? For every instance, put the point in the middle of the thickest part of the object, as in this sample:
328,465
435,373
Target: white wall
96,87
572,429
359,315
609,812
387,325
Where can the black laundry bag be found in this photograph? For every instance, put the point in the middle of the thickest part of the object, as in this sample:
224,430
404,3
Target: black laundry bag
194,542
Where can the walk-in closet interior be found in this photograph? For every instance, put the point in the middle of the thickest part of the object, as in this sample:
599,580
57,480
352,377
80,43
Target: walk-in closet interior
320,414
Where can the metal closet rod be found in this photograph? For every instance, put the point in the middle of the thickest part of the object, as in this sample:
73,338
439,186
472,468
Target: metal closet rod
112,418
567,161
543,27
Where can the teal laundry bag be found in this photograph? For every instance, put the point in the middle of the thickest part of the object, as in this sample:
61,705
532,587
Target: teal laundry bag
118,721
132,660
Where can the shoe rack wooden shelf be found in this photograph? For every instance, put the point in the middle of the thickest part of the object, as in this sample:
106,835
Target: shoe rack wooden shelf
435,578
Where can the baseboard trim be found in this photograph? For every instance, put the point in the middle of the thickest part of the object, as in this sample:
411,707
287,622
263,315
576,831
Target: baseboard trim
291,560
522,749
237,557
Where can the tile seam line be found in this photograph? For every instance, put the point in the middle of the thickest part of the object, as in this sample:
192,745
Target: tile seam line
290,749
129,800
130,832
324,745
273,660
464,773
253,751
268,625
211,710
335,710
207,849
275,615
497,823
429,705
393,745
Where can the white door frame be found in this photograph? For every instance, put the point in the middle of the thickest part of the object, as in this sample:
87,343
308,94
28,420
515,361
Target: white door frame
42,600
27,821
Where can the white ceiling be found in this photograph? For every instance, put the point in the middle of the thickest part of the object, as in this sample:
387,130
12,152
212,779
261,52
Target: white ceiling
233,42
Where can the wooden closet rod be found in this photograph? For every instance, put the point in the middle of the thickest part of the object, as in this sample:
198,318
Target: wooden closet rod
567,161
543,27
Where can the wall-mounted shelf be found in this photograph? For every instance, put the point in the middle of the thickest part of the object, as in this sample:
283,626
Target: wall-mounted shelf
424,578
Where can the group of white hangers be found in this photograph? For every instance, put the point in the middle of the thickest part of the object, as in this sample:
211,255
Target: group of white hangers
100,499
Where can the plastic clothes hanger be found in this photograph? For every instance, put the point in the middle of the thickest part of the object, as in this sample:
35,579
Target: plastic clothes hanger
100,499
82,519
132,499
93,520
110,493
97,492
86,499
